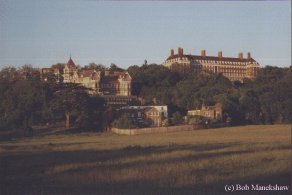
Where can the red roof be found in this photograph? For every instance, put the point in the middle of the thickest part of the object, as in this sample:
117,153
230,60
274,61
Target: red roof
70,63
212,58
110,79
87,73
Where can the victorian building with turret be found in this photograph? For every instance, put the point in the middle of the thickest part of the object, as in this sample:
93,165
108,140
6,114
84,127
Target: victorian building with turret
114,83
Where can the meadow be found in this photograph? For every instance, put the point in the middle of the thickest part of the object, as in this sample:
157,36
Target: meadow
191,162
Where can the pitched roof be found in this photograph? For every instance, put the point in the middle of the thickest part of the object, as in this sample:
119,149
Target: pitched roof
125,75
110,79
87,73
70,63
212,58
113,76
151,109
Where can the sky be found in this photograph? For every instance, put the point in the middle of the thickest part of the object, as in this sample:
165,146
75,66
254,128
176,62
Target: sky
42,33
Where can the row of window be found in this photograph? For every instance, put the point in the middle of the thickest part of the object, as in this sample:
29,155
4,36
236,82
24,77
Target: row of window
110,85
234,74
154,114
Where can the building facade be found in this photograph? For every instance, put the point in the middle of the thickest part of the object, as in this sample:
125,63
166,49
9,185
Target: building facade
154,117
46,72
211,112
108,83
232,68
146,116
113,86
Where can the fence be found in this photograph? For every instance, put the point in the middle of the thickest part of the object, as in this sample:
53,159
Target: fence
153,130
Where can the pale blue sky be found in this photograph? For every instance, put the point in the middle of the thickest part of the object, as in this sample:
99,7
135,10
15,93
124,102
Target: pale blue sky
43,33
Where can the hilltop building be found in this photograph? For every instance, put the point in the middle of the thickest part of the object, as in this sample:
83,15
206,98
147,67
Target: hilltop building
114,86
54,71
100,82
232,68
46,72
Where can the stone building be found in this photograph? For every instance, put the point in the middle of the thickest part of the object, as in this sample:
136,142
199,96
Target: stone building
70,72
154,117
211,112
46,72
145,116
115,83
90,79
106,82
114,86
232,68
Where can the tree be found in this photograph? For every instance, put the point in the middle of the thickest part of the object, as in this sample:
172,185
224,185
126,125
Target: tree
91,116
114,67
250,106
71,98
21,105
177,118
59,66
94,66
78,106
27,72
153,82
9,73
124,122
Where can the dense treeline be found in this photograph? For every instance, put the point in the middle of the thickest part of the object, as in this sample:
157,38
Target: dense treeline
265,100
26,100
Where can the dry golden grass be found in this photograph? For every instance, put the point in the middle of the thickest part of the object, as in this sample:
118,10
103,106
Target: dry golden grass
194,162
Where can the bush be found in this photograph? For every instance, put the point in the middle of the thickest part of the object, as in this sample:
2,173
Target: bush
124,122
197,120
165,123
177,118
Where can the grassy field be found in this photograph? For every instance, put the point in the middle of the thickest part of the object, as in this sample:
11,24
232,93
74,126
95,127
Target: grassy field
196,162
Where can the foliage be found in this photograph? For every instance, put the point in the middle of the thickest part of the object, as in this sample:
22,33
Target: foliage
93,66
59,66
267,99
114,67
177,118
92,112
153,81
123,122
196,120
26,101
165,123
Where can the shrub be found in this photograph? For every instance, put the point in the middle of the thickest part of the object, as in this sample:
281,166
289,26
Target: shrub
124,122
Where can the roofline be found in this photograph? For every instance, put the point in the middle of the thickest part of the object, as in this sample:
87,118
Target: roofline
199,57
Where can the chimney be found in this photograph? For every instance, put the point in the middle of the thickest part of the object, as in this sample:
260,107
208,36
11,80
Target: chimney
248,55
240,56
203,53
180,52
171,52
220,54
